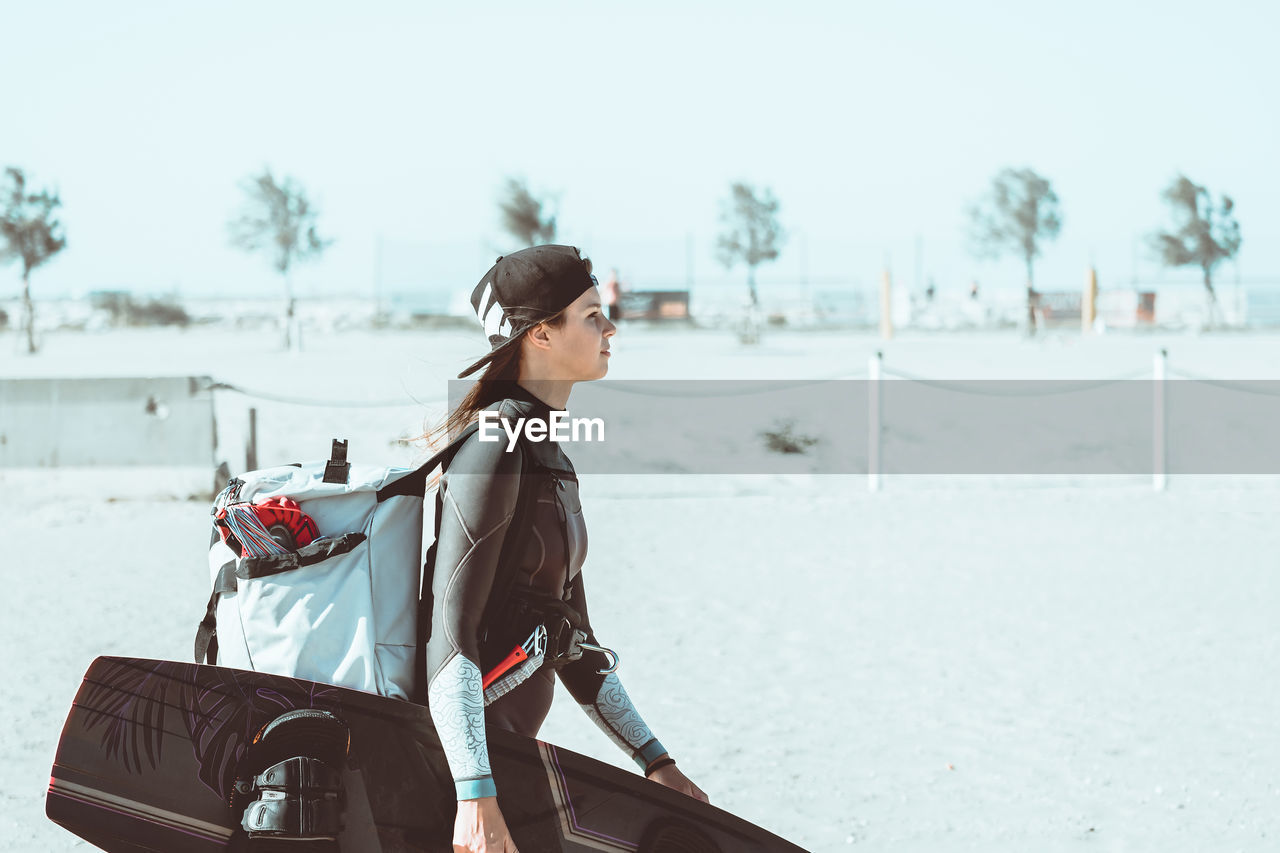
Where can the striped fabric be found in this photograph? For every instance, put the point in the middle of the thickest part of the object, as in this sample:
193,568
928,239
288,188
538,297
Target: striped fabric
249,530
536,649
511,680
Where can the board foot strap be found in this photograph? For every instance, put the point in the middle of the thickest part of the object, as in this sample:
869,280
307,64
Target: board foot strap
296,801
298,798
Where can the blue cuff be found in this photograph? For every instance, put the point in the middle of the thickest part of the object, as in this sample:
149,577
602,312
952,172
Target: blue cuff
649,752
472,789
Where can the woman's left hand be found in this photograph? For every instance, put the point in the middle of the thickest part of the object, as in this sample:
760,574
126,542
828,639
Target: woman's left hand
671,776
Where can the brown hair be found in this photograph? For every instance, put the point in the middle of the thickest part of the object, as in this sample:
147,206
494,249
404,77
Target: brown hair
493,385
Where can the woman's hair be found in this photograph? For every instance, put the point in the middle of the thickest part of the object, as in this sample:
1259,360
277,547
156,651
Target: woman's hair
493,385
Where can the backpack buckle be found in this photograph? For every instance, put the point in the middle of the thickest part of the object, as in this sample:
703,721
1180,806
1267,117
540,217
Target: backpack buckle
337,469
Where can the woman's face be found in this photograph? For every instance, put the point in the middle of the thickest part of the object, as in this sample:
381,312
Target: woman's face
580,348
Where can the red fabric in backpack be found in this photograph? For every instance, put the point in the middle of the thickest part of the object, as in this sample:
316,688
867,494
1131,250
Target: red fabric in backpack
280,515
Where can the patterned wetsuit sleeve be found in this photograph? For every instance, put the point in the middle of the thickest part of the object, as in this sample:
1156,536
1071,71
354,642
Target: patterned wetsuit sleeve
479,498
603,697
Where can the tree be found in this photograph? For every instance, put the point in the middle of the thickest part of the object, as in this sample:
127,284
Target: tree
1019,214
751,233
1205,236
522,215
31,234
279,219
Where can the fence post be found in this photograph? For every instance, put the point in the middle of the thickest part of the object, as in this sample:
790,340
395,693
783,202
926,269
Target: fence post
873,421
886,304
1089,305
1159,479
251,448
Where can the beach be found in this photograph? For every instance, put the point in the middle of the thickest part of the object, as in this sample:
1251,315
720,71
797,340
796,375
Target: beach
949,663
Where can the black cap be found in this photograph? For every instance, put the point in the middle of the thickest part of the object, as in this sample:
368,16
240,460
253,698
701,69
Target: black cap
523,289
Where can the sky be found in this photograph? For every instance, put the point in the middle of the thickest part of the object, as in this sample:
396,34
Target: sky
875,125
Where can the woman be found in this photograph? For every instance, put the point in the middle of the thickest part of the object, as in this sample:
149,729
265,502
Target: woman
542,312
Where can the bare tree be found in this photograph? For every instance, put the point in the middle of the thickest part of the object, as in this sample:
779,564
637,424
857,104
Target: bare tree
31,233
522,215
1204,236
1019,214
278,218
751,232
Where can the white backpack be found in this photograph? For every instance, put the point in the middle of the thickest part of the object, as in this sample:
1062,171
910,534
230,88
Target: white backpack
341,610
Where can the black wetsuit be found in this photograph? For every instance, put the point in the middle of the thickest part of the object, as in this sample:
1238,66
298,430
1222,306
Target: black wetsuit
479,491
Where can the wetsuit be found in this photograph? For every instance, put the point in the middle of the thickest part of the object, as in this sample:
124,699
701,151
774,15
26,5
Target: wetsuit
479,491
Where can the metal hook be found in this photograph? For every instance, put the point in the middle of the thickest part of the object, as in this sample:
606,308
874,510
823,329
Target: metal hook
610,653
537,642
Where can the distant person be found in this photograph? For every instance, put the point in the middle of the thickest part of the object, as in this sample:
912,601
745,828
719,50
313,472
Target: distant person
611,291
930,291
973,289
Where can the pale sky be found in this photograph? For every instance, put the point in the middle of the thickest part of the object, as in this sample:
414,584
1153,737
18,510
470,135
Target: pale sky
875,124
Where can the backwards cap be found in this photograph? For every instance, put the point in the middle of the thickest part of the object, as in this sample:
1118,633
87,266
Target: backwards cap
522,290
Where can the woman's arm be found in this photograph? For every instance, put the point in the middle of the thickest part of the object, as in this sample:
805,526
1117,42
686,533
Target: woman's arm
606,702
603,697
479,498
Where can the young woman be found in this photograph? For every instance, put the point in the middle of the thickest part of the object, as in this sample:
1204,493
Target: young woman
542,312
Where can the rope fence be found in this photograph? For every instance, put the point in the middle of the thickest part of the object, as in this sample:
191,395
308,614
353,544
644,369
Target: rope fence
326,402
1229,384
962,388
1159,373
875,374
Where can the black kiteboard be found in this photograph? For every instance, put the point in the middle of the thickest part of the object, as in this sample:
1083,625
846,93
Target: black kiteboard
166,756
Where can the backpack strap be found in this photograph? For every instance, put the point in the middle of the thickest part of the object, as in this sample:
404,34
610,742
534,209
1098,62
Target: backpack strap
518,533
416,483
206,646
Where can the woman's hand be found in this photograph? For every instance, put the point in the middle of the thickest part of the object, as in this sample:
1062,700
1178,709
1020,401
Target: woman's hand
480,828
671,776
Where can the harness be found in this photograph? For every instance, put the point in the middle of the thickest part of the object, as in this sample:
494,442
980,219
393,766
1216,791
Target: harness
521,629
556,635
558,624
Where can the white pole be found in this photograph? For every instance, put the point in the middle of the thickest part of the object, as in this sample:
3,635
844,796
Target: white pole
1159,478
886,304
377,279
1089,305
873,421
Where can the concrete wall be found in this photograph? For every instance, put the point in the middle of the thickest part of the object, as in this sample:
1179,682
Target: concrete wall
53,422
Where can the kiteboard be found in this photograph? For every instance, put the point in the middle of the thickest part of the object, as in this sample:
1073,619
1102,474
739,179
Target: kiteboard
167,756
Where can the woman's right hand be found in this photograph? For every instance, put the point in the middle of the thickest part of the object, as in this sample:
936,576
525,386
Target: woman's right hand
480,828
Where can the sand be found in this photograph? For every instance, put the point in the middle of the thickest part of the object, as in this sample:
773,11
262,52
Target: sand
952,663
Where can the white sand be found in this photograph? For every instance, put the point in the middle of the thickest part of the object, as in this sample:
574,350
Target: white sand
950,664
